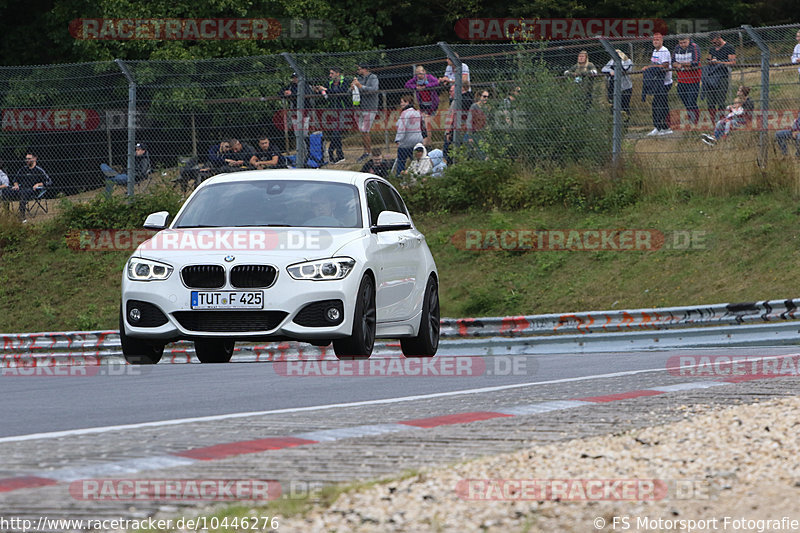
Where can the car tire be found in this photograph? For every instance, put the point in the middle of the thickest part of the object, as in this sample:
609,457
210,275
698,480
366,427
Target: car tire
426,342
214,350
137,351
360,343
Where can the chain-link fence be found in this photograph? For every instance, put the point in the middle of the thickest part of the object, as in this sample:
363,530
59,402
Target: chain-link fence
555,102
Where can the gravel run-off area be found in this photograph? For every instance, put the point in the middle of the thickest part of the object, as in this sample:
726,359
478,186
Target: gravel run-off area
719,469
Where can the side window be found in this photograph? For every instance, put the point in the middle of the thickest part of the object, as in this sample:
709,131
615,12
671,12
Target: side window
374,202
390,199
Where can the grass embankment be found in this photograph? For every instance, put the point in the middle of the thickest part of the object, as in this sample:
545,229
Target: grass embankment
748,250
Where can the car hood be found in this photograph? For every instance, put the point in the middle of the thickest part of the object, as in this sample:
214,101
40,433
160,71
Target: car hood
281,245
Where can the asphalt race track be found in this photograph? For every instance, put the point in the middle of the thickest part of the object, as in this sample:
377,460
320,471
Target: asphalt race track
284,421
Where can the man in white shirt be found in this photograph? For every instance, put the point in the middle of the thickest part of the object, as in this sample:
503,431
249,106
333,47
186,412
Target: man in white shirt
796,53
661,58
450,73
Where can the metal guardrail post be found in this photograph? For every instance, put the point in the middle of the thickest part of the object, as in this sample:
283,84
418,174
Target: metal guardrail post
457,92
616,143
763,138
131,128
300,138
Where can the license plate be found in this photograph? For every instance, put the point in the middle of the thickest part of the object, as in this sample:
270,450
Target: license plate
227,300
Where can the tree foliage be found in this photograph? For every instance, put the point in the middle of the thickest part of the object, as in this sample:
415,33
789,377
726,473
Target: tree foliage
360,24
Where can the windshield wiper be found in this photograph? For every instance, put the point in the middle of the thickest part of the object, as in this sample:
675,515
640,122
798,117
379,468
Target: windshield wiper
264,226
199,226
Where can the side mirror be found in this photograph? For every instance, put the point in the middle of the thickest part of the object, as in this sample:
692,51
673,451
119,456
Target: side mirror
391,221
157,221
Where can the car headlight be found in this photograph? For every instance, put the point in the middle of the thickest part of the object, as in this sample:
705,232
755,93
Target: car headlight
147,270
322,269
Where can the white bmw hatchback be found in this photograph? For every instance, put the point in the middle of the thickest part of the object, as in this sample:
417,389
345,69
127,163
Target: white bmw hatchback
318,256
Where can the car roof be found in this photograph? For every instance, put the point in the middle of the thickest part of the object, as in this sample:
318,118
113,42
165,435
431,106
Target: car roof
334,176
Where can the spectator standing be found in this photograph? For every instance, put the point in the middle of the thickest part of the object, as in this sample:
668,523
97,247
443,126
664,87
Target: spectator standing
476,121
659,67
377,164
467,100
508,106
583,73
791,134
30,181
4,183
627,85
290,91
409,131
141,166
364,89
796,52
427,97
686,62
266,156
336,97
716,75
450,73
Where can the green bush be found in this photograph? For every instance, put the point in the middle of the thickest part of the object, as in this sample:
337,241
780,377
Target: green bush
497,183
116,211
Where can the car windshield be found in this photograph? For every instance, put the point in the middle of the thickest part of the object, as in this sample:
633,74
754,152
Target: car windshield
289,203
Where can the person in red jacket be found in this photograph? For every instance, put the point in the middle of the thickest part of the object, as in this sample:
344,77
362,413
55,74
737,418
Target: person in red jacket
686,64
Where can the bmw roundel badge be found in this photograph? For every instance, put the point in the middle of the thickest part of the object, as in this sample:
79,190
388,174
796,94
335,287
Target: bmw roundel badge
229,258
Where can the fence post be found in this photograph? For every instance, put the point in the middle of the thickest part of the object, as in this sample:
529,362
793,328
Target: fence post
299,130
131,128
616,144
763,137
457,91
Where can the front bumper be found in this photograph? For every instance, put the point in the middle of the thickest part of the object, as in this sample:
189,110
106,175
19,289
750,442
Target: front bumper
285,298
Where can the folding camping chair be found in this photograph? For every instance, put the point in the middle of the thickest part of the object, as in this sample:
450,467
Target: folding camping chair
38,203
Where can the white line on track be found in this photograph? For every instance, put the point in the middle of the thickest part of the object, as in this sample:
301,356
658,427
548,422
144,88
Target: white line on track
385,401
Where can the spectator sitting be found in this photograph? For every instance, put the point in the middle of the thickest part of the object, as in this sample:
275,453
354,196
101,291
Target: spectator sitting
427,97
266,156
141,165
239,156
421,164
197,171
438,162
737,116
30,181
377,165
792,133
409,131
